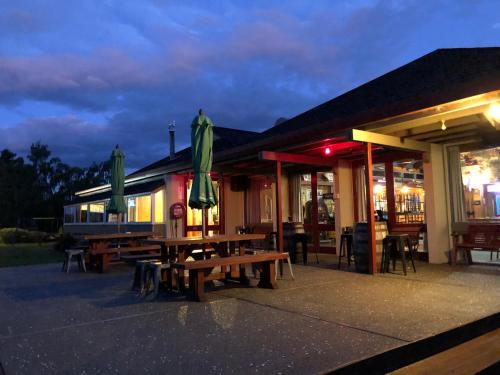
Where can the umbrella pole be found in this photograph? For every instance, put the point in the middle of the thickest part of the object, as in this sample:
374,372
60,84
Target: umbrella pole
203,217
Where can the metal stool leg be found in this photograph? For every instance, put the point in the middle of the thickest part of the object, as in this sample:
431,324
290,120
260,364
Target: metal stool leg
402,252
290,267
341,250
68,265
411,256
384,255
65,261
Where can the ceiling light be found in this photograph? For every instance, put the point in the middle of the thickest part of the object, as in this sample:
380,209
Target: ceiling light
405,189
443,125
493,115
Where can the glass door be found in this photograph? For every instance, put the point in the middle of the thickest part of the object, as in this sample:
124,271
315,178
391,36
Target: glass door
319,213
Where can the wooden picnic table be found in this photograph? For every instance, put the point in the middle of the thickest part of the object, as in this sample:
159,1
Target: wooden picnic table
102,250
179,249
103,241
183,247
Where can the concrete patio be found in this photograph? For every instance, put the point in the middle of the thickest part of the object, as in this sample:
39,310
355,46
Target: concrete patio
52,322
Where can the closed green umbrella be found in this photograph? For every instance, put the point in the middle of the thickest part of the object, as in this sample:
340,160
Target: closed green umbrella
203,194
117,202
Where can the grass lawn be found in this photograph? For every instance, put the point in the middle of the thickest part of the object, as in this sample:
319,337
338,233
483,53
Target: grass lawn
28,253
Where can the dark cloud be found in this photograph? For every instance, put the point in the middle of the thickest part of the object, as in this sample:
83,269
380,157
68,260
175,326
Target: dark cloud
139,65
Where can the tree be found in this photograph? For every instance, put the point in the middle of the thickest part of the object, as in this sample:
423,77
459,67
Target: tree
42,187
17,192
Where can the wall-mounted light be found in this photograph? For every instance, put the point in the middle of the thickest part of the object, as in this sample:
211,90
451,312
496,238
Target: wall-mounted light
443,125
493,115
327,151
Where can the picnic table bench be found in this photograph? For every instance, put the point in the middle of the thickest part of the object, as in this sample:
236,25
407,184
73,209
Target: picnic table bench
102,250
200,271
478,237
105,256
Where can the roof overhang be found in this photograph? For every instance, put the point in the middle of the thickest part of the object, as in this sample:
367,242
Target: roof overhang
388,140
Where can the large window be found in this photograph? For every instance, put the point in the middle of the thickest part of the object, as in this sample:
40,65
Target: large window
69,214
96,212
83,213
194,216
481,182
139,209
409,192
380,191
158,206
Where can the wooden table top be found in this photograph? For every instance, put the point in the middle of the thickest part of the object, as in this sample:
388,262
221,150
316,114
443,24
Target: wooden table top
207,240
112,236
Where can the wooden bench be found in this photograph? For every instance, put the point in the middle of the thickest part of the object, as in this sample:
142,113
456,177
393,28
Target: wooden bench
479,237
200,271
104,256
136,257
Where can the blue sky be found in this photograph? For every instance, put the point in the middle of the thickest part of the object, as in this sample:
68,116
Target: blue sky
78,75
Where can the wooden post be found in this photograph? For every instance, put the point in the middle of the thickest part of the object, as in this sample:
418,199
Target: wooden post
389,193
279,204
372,243
314,211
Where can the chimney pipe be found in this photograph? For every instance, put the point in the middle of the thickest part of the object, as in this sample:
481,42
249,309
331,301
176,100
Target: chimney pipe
171,130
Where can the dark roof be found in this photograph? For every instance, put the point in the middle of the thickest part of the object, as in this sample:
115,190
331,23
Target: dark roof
439,77
224,139
130,189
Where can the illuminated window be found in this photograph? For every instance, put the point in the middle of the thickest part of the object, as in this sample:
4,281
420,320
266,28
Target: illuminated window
83,213
481,183
194,216
139,209
409,194
158,206
96,212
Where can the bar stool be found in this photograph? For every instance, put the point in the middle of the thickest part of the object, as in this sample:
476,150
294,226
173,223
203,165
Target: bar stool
155,274
394,244
140,274
345,250
302,239
80,257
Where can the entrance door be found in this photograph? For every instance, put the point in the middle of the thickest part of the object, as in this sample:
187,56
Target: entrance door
318,210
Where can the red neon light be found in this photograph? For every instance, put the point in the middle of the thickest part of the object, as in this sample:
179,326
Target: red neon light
328,151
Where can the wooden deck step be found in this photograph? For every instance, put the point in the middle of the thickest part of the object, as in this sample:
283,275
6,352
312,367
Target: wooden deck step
470,357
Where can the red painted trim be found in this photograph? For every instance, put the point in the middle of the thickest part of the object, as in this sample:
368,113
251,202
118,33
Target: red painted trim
279,204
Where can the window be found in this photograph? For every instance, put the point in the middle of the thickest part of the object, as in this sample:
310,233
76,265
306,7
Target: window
139,209
481,183
96,212
69,214
113,218
158,206
380,191
266,202
194,216
83,213
409,192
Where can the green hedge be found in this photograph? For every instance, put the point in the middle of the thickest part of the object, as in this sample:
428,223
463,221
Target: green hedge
17,235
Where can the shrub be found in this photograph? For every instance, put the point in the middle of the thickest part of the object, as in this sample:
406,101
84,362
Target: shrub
17,235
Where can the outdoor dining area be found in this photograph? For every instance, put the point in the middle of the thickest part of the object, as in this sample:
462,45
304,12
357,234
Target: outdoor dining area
164,260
